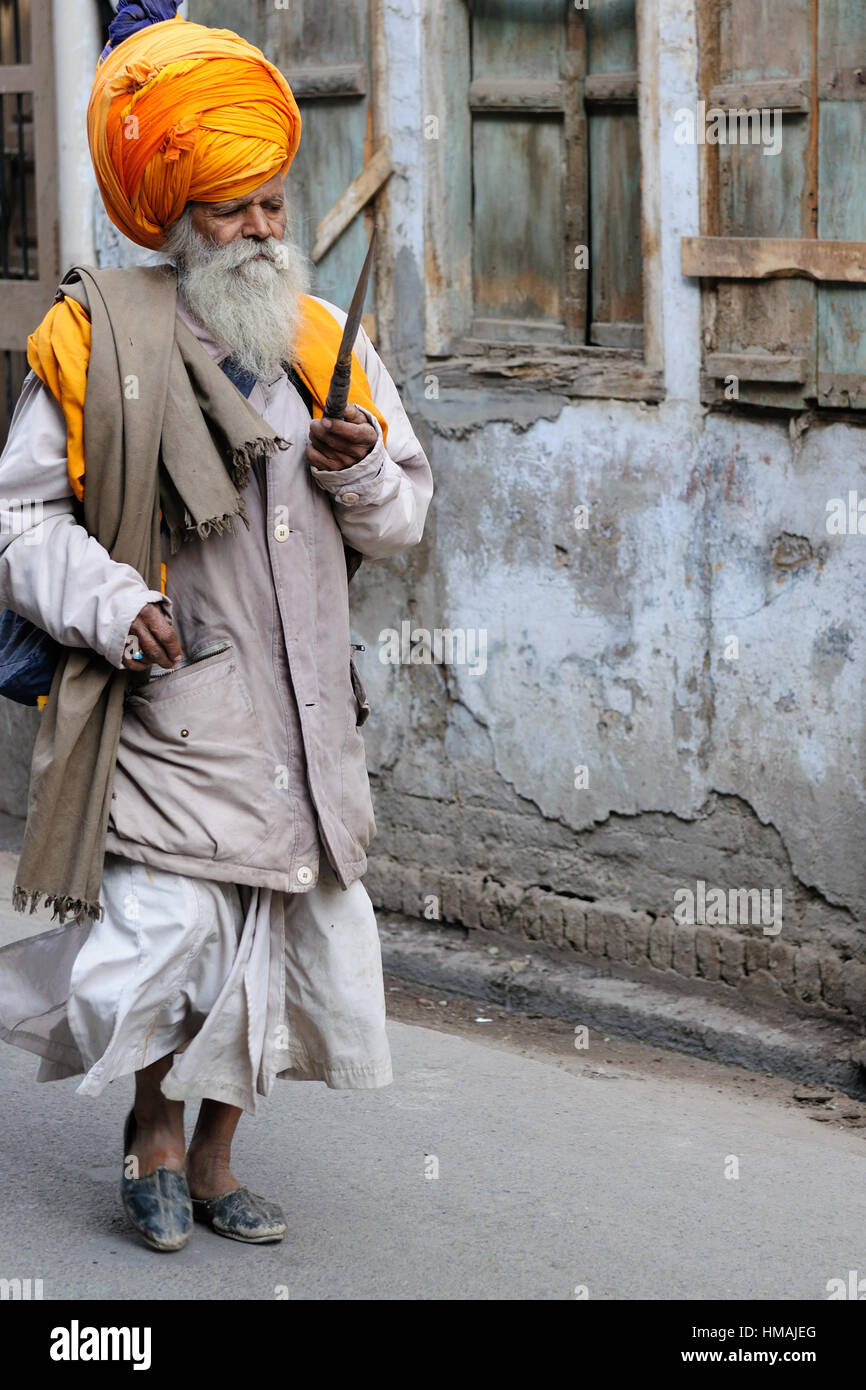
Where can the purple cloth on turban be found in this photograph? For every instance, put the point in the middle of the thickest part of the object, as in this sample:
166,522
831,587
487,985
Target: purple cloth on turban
133,15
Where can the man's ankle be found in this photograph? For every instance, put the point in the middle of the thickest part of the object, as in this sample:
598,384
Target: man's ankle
158,1115
210,1153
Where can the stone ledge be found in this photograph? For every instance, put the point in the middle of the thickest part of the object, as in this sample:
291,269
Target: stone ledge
815,981
812,1050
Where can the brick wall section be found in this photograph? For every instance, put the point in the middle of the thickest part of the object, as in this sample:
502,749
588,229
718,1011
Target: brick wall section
621,940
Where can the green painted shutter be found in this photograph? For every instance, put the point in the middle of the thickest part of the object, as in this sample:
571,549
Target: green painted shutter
760,195
610,97
789,339
842,196
555,167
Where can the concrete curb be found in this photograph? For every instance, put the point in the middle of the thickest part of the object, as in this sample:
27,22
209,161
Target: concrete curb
806,1050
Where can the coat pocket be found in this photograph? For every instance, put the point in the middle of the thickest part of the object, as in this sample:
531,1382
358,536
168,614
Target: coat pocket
361,701
193,776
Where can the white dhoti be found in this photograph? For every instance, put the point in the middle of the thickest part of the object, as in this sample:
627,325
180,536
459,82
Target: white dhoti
243,985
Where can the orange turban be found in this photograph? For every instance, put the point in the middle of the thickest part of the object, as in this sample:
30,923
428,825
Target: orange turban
182,113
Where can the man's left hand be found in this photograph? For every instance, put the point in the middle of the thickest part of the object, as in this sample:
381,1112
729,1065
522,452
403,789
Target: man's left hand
338,444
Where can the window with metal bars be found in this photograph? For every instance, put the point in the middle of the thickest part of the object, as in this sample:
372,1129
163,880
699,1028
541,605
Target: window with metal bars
29,268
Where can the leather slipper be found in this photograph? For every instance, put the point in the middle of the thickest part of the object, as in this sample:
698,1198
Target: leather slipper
159,1205
241,1215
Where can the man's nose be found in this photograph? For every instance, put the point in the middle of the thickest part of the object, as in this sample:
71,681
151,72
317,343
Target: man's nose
256,224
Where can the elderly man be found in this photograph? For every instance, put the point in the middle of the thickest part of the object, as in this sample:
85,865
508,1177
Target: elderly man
199,806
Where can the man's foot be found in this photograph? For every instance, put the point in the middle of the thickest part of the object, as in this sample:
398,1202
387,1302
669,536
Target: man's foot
218,1199
156,1144
241,1215
156,1137
158,1203
208,1172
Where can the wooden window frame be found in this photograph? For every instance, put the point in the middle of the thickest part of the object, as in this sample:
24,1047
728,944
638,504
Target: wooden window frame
711,257
576,370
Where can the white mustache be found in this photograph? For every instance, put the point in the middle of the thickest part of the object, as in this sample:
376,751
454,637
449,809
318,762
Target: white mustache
236,253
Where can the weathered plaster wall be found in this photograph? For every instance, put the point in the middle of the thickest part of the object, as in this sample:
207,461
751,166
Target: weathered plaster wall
607,648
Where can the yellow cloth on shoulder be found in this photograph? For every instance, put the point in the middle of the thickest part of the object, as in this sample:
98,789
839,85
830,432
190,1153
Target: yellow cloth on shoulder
59,353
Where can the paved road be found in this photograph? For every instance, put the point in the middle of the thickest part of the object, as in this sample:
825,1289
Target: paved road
547,1181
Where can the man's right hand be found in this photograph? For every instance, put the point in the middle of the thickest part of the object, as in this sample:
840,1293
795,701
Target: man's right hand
156,638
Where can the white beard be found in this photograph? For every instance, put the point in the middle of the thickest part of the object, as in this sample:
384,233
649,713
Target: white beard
246,293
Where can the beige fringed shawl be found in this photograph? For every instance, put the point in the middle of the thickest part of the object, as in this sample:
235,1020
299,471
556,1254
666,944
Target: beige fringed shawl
164,429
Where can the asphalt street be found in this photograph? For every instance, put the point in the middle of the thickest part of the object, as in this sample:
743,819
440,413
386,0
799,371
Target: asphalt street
545,1186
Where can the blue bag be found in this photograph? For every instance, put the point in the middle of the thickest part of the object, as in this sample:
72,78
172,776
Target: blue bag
28,659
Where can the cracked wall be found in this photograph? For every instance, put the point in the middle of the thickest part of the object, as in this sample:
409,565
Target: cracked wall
693,649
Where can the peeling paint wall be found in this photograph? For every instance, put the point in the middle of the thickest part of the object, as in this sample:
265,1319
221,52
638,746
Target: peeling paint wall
694,649
606,648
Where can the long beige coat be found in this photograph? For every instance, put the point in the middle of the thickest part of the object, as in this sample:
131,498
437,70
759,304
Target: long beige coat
242,764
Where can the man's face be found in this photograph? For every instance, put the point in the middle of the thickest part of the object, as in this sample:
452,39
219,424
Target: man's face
259,215
242,275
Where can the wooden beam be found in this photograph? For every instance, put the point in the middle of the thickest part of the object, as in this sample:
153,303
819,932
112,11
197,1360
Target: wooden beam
650,182
610,87
45,118
575,205
809,226
570,372
753,366
779,93
357,195
316,83
617,335
763,258
509,94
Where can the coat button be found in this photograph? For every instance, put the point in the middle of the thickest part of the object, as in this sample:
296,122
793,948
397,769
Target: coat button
281,533
184,733
350,497
305,874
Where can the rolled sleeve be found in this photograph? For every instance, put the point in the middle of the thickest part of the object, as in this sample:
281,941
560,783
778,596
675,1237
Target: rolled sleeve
361,483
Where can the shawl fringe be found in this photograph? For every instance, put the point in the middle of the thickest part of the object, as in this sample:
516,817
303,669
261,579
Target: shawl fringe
239,465
257,450
62,907
211,525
